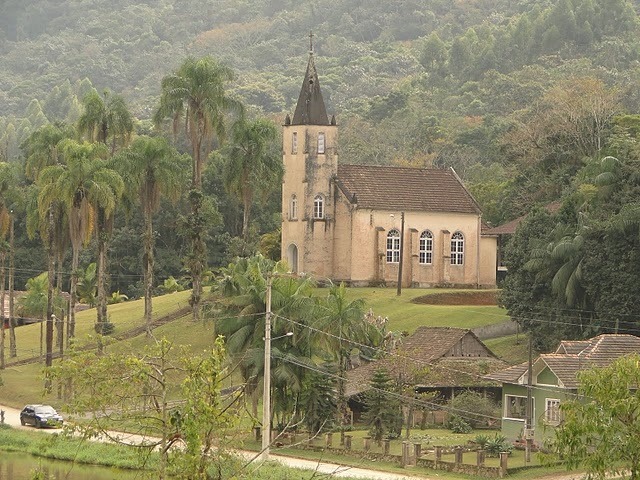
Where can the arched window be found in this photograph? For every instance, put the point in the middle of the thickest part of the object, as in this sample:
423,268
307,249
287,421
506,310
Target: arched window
457,249
293,207
426,248
318,207
321,142
294,142
393,246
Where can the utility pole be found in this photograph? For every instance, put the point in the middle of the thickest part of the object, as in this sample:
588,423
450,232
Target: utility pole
266,394
399,291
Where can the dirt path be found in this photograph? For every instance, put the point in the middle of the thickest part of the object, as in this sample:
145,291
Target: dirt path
12,417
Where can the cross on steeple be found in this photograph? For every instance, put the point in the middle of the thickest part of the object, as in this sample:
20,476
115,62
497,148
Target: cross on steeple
311,41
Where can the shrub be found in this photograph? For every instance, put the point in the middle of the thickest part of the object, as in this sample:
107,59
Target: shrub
457,424
478,409
498,444
481,440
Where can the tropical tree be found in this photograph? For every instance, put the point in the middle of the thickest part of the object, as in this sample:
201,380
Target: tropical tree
43,148
87,287
89,190
10,197
196,92
151,168
106,119
241,294
601,427
253,167
344,329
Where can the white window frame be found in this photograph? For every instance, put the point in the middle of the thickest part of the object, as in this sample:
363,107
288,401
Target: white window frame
507,404
457,249
425,256
294,142
393,246
321,142
293,207
318,207
552,414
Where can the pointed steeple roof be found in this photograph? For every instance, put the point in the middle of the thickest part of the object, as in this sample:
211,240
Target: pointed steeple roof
310,109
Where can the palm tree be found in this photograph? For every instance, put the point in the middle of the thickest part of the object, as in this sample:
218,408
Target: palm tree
344,330
9,200
196,92
105,120
153,168
241,295
42,149
253,167
89,190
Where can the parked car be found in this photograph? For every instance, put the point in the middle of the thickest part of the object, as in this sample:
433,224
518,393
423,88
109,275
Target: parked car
40,416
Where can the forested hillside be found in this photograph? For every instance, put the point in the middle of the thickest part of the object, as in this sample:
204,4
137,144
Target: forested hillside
517,95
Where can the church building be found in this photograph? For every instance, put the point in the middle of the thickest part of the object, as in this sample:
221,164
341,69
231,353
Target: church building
367,225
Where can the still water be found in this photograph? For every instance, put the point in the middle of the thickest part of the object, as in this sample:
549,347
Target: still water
19,466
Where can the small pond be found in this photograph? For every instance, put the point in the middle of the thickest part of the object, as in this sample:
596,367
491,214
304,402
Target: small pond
19,466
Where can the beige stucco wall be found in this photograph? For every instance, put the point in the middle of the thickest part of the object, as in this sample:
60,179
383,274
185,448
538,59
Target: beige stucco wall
349,244
368,259
307,174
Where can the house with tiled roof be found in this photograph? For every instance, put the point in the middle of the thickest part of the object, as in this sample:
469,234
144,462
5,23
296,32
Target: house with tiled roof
554,380
442,360
371,225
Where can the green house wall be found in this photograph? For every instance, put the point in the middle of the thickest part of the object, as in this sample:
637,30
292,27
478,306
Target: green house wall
513,429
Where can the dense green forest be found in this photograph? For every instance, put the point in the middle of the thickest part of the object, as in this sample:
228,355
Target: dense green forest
523,98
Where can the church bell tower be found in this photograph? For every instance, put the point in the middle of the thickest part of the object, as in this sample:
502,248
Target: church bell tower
310,160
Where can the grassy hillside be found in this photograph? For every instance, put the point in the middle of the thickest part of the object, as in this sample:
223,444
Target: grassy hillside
23,384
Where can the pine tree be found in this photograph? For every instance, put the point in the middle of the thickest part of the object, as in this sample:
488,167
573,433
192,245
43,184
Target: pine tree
384,412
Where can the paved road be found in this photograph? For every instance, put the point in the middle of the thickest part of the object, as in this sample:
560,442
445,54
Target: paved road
12,417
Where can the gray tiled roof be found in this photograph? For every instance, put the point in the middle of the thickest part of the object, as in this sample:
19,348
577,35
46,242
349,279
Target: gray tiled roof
408,189
572,357
310,109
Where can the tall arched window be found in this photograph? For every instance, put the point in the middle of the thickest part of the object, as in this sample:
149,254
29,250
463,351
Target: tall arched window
294,142
393,246
457,249
426,248
293,207
318,207
321,142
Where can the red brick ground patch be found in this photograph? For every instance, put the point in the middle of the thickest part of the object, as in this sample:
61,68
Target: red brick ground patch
480,297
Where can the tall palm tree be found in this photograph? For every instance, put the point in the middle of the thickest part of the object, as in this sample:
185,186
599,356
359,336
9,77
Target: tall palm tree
85,186
344,330
9,202
241,295
42,149
107,120
253,166
196,92
153,169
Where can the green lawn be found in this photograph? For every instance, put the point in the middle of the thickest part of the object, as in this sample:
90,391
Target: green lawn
407,316
513,349
23,384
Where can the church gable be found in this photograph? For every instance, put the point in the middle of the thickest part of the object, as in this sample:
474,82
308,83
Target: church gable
405,189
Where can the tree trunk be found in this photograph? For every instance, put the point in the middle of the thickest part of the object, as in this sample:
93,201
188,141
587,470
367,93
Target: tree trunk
58,288
197,259
51,256
2,300
103,245
13,351
73,295
245,218
148,271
